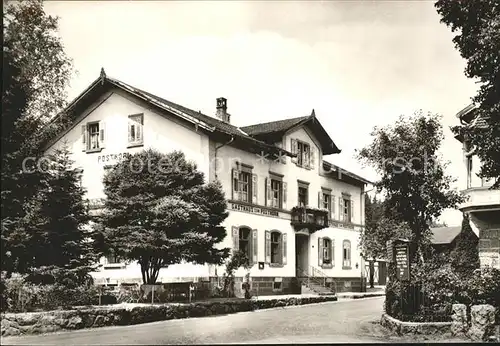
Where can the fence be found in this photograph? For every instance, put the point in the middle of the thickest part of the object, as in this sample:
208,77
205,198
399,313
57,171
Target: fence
414,304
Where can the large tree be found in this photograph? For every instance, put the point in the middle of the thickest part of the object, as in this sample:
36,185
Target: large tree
160,212
35,73
413,180
477,27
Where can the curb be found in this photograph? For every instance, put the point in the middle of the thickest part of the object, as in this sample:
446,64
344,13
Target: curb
361,296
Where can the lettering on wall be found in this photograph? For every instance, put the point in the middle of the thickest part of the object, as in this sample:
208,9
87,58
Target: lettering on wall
110,158
336,224
254,210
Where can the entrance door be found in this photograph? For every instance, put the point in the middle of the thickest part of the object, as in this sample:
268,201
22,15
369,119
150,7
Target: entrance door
301,254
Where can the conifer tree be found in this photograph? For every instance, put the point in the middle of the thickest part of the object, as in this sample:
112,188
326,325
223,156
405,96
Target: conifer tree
58,226
465,256
35,74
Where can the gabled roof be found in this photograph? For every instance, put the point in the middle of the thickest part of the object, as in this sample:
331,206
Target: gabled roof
253,137
469,118
273,126
274,130
339,172
198,119
444,235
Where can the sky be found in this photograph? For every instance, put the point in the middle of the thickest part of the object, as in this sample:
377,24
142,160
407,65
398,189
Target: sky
358,64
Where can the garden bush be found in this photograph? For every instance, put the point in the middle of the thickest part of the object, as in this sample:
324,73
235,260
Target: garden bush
25,297
433,290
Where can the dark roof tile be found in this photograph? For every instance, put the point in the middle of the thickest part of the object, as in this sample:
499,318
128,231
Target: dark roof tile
444,235
273,126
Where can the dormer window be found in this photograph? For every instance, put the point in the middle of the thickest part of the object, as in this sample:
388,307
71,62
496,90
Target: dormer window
304,152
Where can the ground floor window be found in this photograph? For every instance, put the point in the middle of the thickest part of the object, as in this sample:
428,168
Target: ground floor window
276,257
244,241
346,249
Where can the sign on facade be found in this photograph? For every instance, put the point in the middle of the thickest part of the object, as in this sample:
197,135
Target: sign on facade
111,158
254,210
336,224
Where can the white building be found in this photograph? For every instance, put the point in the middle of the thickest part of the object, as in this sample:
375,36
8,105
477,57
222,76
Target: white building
482,204
112,118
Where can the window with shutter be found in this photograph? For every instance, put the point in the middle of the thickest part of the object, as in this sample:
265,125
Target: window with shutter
243,183
244,241
303,154
276,248
93,136
276,193
346,254
135,129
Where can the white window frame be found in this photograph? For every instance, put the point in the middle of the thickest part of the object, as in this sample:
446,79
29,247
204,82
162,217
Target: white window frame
90,134
279,250
136,125
346,254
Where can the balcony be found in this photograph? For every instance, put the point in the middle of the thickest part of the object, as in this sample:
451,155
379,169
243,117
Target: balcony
480,199
312,219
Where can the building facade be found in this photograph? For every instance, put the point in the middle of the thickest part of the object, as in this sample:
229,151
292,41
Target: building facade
293,213
483,203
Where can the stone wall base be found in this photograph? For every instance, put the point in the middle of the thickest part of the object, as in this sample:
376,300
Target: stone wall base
129,314
415,328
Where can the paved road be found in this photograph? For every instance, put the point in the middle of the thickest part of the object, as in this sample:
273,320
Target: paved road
342,321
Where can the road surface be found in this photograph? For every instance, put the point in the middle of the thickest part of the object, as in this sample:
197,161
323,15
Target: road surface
342,321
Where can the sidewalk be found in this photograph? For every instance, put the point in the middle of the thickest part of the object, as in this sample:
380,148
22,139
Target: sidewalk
371,292
377,291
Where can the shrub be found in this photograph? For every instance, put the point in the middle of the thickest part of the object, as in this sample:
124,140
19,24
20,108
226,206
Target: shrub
483,287
25,297
465,256
433,291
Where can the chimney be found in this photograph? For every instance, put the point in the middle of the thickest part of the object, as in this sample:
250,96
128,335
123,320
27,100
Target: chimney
222,113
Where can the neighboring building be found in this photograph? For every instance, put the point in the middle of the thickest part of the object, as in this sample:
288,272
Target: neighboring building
483,204
444,238
283,241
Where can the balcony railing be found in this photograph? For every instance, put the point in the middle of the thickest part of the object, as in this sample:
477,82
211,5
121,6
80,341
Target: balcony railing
311,218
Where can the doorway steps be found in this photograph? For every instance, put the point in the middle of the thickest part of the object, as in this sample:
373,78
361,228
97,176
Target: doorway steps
313,281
